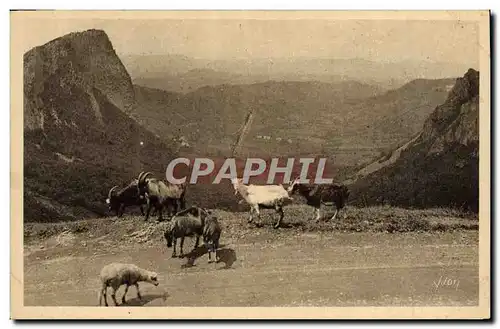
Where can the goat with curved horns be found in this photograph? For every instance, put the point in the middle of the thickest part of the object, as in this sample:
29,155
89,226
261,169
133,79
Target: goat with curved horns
119,199
159,195
263,196
321,194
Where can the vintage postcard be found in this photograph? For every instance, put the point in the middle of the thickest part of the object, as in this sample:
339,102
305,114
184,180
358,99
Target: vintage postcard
250,164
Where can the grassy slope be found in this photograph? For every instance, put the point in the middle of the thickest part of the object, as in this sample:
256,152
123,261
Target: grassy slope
297,218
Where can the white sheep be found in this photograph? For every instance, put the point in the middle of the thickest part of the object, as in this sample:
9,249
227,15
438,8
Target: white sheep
263,196
116,274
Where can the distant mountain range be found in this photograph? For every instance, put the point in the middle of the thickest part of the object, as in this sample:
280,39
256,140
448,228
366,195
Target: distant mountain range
184,74
348,120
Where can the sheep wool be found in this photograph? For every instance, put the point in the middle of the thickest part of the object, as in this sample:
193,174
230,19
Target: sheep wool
116,274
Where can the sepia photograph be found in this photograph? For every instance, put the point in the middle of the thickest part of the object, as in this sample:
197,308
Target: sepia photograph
250,164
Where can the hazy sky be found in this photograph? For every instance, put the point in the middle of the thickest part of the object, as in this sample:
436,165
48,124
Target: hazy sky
380,40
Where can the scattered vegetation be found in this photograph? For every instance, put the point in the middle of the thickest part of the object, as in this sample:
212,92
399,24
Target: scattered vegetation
297,218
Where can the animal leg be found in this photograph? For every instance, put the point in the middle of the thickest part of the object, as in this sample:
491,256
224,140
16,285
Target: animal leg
125,294
138,292
250,219
334,215
256,209
148,211
113,296
318,215
174,253
169,211
160,214
216,246
197,243
182,248
121,209
209,247
176,206
105,295
102,293
279,210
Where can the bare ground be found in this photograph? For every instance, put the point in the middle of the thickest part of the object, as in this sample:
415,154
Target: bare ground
294,266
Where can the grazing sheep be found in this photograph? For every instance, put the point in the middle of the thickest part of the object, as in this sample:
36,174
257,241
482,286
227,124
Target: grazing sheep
159,194
321,194
182,226
263,196
211,235
116,274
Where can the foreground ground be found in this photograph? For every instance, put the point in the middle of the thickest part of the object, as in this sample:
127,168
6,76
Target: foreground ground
294,266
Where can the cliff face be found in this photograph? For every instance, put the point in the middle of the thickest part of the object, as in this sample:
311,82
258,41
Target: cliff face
60,78
457,120
79,139
441,167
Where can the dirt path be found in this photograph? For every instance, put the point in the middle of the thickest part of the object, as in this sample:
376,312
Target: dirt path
342,269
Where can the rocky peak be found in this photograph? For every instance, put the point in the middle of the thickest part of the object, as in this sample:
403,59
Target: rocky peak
465,90
74,64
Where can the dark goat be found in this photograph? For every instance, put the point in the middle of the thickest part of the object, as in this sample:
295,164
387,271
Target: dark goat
211,235
321,194
160,195
118,200
183,225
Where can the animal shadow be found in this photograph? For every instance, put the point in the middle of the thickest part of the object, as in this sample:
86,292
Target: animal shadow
226,256
194,254
145,299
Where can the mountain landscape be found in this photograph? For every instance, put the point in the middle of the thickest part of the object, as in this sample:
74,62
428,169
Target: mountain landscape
90,125
441,166
352,121
182,73
388,103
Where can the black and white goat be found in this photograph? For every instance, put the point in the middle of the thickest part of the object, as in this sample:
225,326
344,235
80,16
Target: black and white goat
119,199
321,194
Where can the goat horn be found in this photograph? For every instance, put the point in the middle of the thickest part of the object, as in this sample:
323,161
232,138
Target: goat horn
111,191
140,176
146,175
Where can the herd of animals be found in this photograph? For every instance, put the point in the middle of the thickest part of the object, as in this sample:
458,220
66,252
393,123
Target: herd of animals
157,195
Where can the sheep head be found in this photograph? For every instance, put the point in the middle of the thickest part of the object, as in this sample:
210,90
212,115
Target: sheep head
153,278
149,276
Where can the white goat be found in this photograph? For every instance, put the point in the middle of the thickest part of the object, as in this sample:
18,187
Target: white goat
116,274
263,196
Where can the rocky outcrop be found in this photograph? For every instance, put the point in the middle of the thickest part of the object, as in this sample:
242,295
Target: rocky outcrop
60,78
79,138
440,168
